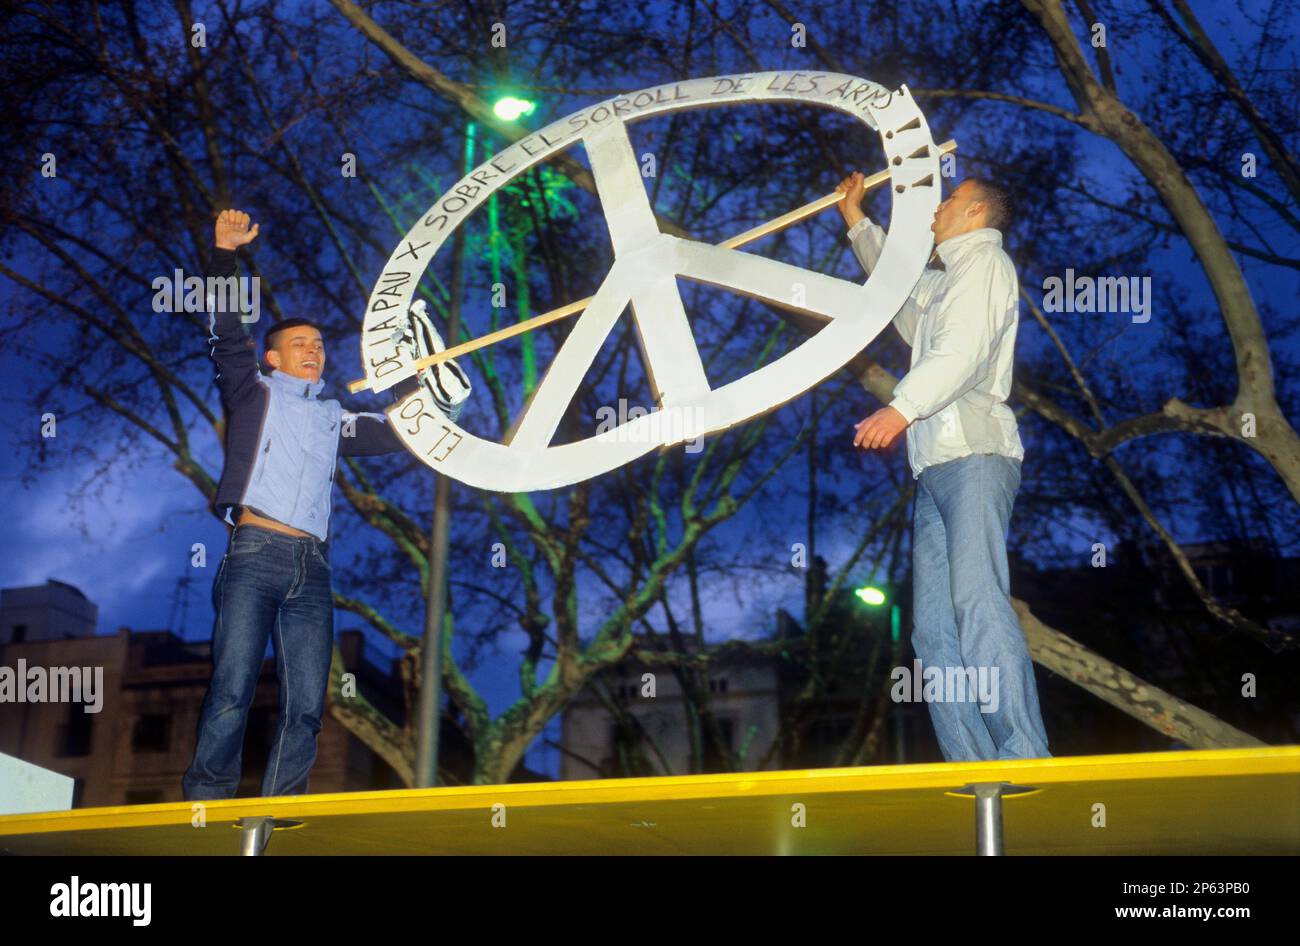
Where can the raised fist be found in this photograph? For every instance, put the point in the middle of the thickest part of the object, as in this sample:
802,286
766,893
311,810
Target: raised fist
232,230
855,186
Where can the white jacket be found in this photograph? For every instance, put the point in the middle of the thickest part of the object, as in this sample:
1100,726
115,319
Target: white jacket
961,324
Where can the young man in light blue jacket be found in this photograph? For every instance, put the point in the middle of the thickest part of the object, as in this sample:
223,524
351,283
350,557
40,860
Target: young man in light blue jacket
282,444
964,449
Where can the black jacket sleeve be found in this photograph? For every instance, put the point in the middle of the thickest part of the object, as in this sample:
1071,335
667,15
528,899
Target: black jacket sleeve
368,435
232,347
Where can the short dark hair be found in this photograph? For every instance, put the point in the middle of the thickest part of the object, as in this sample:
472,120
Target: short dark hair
998,205
268,340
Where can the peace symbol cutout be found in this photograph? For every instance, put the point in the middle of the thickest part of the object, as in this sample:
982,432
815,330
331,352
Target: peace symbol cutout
646,265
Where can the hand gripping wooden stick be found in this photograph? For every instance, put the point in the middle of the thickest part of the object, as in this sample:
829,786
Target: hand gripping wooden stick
546,318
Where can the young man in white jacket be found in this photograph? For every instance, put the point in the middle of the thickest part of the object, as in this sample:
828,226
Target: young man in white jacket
965,452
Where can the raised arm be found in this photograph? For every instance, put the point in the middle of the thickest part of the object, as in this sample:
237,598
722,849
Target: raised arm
868,242
232,348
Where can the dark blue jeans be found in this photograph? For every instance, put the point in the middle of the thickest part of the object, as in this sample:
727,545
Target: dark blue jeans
277,586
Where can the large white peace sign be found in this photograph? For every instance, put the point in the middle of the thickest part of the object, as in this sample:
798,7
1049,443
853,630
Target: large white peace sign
646,264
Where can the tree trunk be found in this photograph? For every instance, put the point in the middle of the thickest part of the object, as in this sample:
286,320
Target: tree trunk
1161,711
1275,439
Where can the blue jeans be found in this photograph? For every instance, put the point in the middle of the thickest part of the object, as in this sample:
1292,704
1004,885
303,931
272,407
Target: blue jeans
268,585
962,615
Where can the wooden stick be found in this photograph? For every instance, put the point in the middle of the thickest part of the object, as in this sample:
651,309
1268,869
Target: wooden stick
749,236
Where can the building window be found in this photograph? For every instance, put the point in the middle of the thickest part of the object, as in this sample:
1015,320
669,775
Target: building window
20,633
625,692
144,796
718,685
73,736
151,734
626,754
713,758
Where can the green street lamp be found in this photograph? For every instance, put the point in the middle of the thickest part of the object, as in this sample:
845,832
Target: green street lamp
875,598
872,596
508,108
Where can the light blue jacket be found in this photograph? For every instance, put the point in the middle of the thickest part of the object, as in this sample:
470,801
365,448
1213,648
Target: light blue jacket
282,442
293,474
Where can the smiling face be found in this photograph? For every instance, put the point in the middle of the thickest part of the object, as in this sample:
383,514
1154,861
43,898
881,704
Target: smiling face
962,212
298,351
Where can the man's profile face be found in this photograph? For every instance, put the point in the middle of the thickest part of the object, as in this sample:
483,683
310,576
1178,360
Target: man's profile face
954,216
298,351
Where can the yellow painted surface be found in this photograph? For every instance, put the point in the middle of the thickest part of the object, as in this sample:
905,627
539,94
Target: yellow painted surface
1231,801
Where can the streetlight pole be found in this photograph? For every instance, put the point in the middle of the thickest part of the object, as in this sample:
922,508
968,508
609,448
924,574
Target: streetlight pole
435,608
429,721
875,597
895,620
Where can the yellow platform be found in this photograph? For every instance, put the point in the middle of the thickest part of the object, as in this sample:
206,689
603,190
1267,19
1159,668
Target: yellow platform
1233,801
